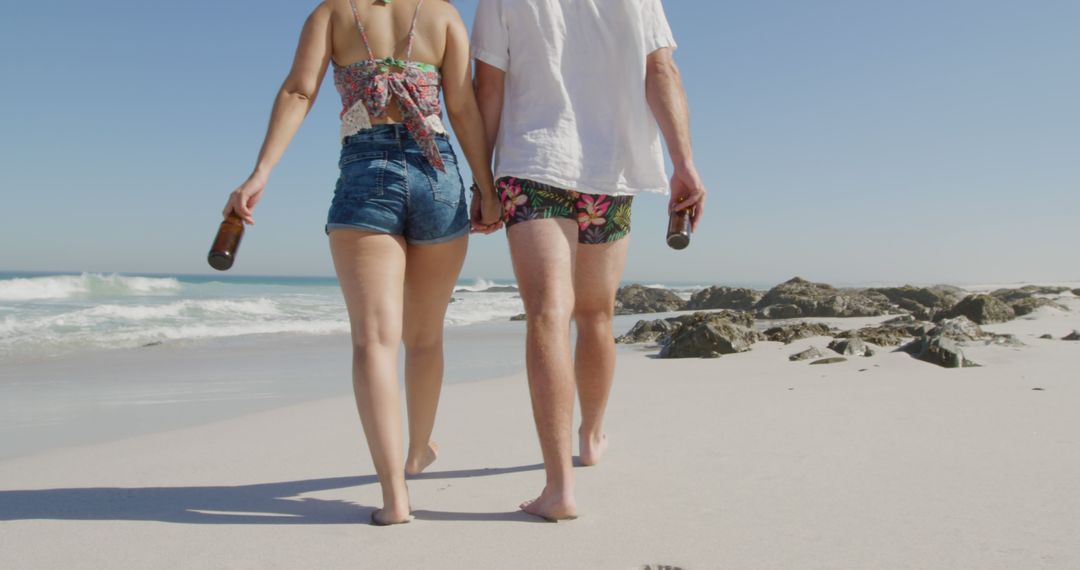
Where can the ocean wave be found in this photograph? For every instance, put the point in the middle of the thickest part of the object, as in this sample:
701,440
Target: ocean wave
83,286
482,285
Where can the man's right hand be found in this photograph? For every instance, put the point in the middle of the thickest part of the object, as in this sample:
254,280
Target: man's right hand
485,214
687,191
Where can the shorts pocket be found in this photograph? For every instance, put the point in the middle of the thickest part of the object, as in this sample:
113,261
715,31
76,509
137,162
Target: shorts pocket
363,174
446,187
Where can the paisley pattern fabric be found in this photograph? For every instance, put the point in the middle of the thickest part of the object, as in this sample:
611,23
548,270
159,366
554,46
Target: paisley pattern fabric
367,88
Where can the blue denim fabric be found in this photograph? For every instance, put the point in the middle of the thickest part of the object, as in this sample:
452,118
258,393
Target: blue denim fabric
388,186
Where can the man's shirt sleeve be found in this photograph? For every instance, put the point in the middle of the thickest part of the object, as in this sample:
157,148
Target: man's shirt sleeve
657,30
490,36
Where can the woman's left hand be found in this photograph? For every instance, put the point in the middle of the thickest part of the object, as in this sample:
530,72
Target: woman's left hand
243,199
486,214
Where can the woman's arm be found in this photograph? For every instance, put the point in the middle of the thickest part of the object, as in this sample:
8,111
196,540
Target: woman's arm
294,100
464,115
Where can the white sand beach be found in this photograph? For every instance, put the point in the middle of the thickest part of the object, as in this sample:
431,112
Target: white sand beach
744,461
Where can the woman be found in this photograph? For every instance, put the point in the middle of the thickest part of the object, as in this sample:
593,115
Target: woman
398,224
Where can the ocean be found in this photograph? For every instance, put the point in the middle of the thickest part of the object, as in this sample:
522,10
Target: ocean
48,315
42,316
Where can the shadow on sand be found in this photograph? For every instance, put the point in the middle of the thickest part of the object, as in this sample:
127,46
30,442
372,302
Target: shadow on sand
263,503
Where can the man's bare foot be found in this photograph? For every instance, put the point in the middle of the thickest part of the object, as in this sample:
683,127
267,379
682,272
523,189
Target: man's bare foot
418,461
380,517
551,507
592,448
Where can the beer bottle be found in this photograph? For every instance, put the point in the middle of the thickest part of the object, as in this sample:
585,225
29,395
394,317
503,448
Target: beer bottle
223,252
678,232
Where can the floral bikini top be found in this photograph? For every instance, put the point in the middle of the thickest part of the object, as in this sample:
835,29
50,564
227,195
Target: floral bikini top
367,87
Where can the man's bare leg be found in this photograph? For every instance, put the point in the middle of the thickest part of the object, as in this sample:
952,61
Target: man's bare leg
598,270
430,274
543,253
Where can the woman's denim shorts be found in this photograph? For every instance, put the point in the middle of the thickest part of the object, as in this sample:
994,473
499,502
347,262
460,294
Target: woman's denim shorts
388,186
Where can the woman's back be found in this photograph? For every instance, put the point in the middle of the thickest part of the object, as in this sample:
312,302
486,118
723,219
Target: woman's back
387,27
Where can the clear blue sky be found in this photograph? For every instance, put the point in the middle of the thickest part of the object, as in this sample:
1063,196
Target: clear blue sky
842,140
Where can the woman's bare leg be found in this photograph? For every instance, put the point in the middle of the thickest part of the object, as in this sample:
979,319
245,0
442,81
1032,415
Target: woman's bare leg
430,274
371,270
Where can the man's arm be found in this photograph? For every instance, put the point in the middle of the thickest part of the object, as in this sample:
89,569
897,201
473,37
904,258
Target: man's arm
490,86
667,99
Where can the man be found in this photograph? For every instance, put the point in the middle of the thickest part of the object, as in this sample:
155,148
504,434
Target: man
572,92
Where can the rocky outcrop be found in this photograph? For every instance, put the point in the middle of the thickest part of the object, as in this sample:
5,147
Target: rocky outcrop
518,317
648,331
884,335
982,309
634,299
807,354
707,334
1075,335
830,360
938,350
1076,292
724,298
819,300
853,346
780,311
922,302
1028,305
790,333
960,329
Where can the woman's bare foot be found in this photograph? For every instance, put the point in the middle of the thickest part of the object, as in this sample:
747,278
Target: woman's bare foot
420,460
380,517
592,448
552,507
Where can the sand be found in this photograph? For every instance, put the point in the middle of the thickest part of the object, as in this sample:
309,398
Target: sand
746,461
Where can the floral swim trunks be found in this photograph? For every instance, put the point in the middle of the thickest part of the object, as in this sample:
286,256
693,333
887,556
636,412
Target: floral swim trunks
600,218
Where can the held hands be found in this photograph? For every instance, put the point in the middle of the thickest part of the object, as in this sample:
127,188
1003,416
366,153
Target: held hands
243,199
687,191
485,212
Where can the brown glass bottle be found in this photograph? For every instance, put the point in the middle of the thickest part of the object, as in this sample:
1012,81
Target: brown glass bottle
223,252
678,231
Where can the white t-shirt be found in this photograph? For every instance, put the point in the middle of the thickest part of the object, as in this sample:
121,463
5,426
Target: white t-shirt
574,111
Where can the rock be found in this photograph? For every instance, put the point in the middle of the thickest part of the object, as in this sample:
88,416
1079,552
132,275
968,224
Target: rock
1076,292
780,311
807,354
983,309
711,354
1027,305
1047,336
1010,295
938,350
724,298
788,334
959,329
881,335
154,343
853,346
830,360
702,334
819,300
1075,335
922,302
518,317
634,299
647,331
